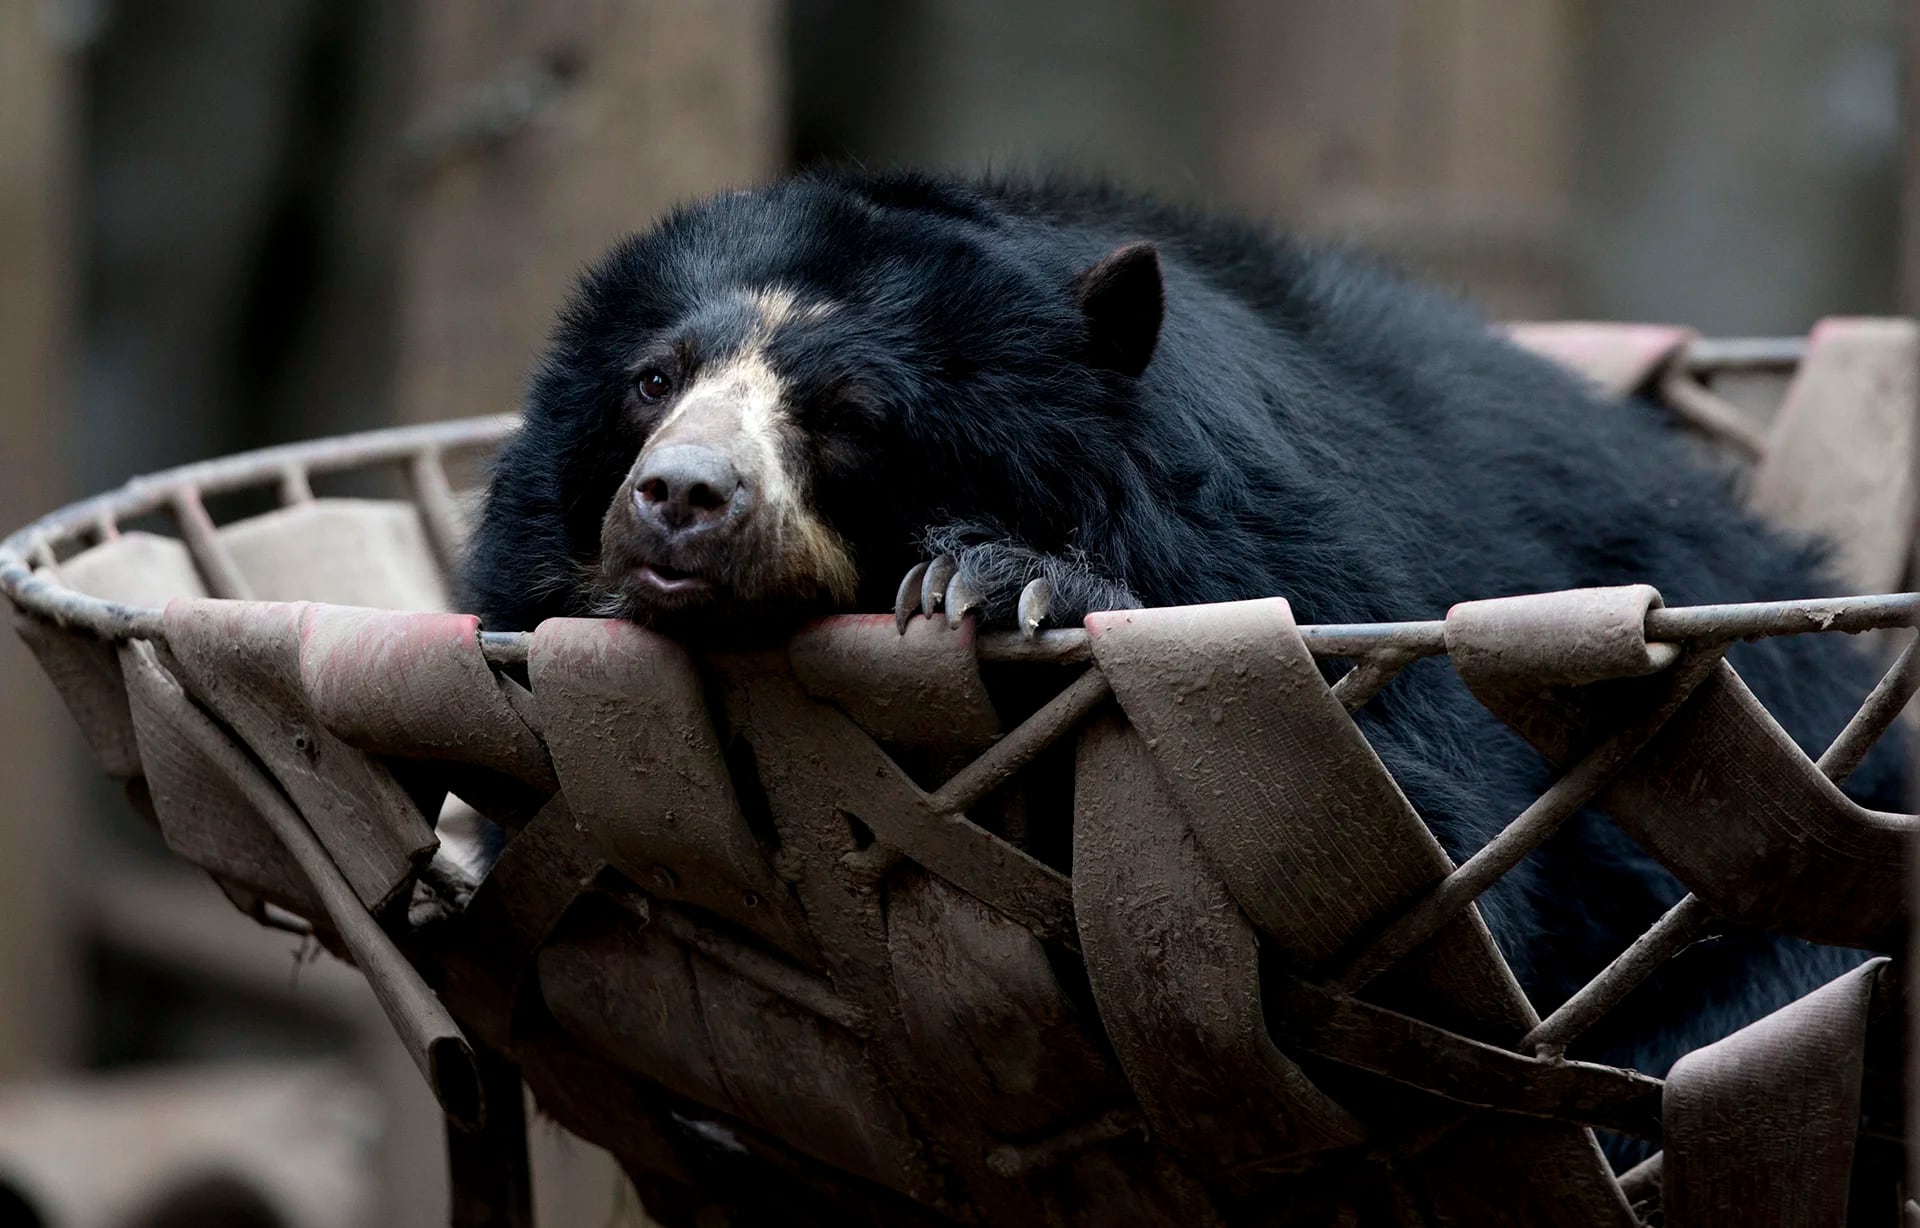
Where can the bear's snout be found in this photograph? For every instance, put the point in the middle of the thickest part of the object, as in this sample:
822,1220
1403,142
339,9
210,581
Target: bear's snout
688,488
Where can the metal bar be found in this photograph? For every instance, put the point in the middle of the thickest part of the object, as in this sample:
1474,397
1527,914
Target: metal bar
1716,416
1670,935
439,511
46,599
1069,646
1764,619
1360,684
769,972
505,647
1019,746
210,555
1715,355
1704,624
1311,1019
1526,833
1417,639
489,1177
365,448
294,487
432,1038
1881,708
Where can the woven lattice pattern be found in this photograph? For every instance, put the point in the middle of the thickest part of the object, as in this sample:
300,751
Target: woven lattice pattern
1114,925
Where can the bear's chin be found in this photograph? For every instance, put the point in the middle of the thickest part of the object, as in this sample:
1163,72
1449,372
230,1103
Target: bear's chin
715,617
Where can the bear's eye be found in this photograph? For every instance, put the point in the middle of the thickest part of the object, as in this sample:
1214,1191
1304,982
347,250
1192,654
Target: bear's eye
653,384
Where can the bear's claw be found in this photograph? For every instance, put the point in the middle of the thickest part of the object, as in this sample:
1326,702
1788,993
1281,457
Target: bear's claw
933,585
941,586
961,601
1036,605
906,603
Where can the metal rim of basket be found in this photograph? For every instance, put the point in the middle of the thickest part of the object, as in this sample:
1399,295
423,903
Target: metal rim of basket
29,557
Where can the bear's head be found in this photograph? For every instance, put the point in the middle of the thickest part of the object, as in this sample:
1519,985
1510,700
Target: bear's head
758,409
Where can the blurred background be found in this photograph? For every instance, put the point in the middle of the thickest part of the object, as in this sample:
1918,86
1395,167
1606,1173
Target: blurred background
227,223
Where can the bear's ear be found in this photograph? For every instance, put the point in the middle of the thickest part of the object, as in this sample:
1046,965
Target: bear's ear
1123,301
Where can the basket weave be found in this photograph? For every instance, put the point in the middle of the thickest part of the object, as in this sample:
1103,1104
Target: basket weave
942,926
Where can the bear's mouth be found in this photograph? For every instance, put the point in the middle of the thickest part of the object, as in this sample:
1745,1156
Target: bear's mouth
663,580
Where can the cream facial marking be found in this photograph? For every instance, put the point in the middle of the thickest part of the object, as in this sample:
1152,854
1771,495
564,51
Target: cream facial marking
776,306
747,372
740,407
743,388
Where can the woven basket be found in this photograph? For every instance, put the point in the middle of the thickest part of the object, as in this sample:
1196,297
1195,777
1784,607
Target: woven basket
947,926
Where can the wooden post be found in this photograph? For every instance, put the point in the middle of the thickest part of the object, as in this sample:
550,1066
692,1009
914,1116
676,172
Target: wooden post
39,753
1910,304
541,134
1436,131
1910,163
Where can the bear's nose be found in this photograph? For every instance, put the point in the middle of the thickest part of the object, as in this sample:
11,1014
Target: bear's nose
687,486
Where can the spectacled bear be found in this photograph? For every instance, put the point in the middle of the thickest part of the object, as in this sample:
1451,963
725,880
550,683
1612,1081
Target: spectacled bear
779,402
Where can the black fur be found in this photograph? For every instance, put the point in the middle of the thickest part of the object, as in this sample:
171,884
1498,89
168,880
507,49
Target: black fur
1308,425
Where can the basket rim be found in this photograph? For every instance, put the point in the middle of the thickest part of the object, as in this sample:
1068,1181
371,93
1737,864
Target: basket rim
37,592
24,552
